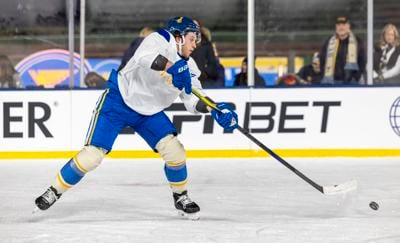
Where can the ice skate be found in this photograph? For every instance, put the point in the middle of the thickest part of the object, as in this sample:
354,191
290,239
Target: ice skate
186,207
47,199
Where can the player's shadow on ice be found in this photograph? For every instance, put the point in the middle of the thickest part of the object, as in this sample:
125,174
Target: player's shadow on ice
100,210
139,184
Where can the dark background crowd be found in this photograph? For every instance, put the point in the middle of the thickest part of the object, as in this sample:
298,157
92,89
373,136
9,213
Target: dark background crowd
329,35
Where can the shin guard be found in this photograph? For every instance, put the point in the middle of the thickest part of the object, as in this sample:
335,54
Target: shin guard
73,171
173,153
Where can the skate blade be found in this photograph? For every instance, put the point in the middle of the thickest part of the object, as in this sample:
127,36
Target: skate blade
191,216
35,210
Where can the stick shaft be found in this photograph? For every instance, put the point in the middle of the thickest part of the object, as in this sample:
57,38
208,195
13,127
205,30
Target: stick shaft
281,160
261,145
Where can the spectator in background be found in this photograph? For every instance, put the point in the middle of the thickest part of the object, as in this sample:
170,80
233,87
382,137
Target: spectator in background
134,45
342,56
94,80
241,78
220,82
207,60
311,74
386,57
9,77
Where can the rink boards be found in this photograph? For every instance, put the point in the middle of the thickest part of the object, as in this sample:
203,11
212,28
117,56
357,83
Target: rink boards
298,122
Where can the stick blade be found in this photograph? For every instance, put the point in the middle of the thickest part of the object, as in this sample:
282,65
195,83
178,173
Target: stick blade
340,188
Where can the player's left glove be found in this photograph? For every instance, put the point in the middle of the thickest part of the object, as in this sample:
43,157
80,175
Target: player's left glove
181,77
225,117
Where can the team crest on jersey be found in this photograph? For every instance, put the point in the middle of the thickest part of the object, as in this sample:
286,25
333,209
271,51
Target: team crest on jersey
179,20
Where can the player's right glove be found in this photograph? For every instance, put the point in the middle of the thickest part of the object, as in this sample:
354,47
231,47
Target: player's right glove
181,77
225,117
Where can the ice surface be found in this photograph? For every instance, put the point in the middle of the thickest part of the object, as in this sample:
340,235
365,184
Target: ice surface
241,200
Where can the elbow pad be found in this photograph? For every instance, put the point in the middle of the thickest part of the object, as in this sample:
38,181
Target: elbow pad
159,63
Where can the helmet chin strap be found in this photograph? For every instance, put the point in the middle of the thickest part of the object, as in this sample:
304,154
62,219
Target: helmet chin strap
180,44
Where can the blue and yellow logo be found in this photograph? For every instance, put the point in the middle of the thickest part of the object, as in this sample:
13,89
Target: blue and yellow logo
50,68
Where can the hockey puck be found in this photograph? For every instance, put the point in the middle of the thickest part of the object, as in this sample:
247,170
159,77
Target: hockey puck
373,205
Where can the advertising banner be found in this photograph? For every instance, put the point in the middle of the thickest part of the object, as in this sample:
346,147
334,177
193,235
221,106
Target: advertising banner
344,121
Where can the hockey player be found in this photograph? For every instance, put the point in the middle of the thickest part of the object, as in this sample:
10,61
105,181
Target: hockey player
159,71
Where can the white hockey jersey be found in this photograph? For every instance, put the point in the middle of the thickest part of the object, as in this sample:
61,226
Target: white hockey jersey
148,91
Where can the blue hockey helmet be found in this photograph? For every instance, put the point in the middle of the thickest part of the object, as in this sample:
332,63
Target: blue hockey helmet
180,26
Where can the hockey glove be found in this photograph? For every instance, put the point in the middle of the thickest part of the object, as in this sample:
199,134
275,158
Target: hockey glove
181,77
225,117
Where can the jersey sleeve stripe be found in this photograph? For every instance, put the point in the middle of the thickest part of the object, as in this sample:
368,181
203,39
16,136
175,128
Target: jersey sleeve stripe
164,34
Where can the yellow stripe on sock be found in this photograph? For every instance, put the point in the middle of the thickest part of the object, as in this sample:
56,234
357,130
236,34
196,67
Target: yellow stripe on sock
175,163
181,183
178,187
80,167
62,182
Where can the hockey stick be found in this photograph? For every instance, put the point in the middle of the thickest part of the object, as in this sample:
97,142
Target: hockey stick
327,190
